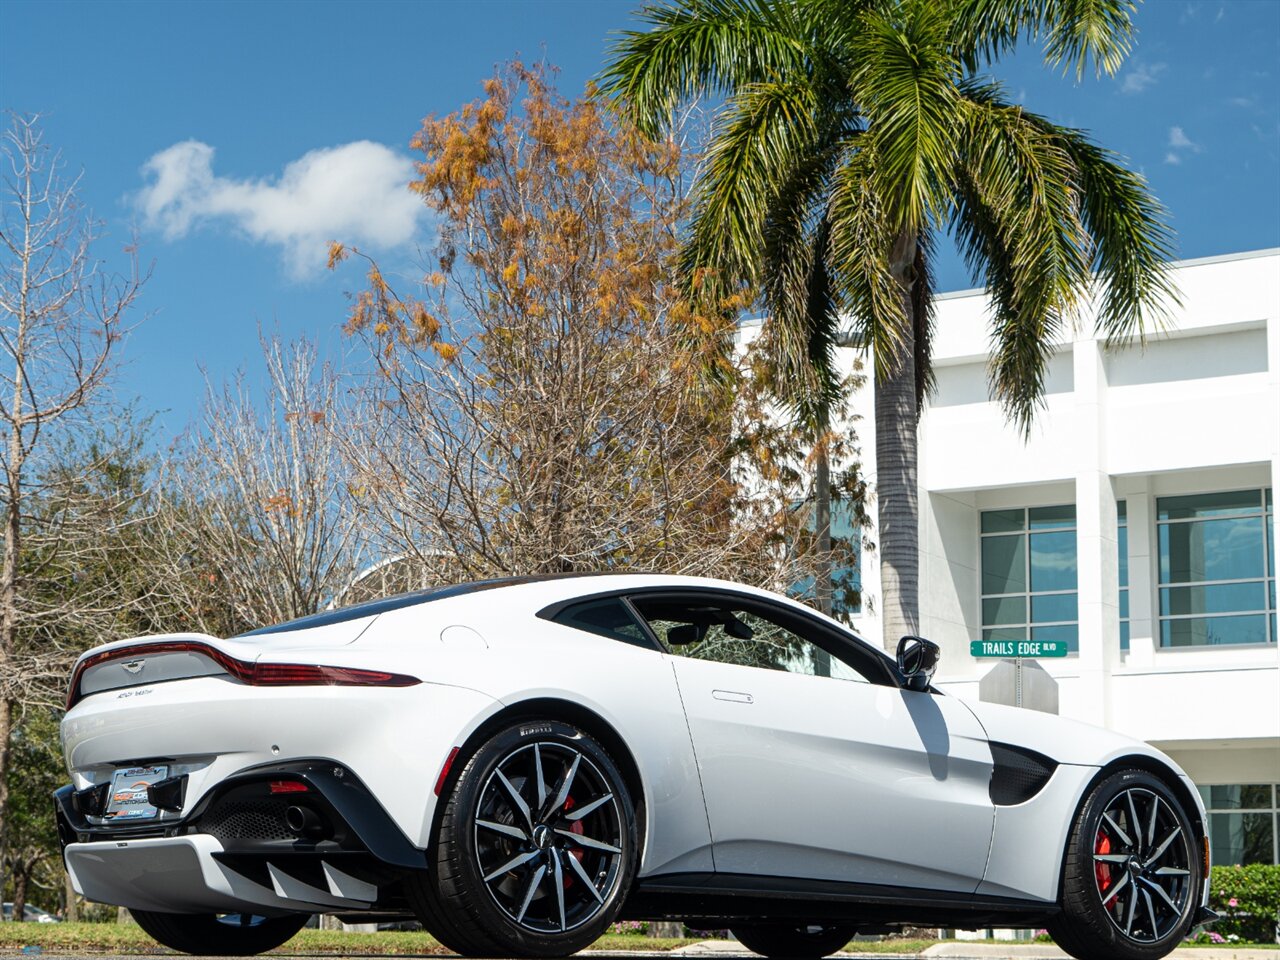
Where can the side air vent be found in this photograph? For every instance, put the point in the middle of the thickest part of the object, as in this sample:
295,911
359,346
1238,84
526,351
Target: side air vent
1018,775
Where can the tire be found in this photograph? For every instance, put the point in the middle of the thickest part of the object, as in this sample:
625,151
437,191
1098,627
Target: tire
798,941
215,935
1131,877
523,870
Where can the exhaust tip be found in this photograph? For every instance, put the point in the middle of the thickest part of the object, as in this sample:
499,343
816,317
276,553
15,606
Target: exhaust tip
305,824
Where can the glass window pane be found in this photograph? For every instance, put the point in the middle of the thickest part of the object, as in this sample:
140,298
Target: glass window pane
1233,503
1124,604
1065,631
1212,550
1002,521
1049,518
1122,512
1053,561
606,618
1124,636
1237,796
1211,631
1000,610
1217,598
1004,564
1053,608
1005,633
1242,838
1122,548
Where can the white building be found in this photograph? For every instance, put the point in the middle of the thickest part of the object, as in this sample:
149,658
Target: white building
1137,523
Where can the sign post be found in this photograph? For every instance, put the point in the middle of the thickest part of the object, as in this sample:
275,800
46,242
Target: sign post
1016,650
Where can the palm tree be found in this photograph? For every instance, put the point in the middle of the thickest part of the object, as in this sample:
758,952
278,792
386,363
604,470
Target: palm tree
870,122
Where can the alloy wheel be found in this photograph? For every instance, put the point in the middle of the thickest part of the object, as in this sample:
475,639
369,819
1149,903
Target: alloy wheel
548,837
1142,859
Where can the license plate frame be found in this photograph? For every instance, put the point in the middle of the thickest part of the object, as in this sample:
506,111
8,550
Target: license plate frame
127,802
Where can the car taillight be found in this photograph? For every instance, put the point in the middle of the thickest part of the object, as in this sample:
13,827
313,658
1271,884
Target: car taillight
254,674
287,786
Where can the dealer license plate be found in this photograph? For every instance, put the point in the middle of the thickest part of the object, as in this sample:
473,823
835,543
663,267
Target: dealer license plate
129,793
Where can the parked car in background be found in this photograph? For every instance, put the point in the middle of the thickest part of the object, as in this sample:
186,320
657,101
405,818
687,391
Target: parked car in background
31,914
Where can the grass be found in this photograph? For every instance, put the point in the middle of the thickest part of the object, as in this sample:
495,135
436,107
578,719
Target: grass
97,938
89,938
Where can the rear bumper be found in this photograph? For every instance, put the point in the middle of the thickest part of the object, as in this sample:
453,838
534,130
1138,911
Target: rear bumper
198,864
184,875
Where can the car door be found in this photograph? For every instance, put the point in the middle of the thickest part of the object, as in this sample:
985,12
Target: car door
814,762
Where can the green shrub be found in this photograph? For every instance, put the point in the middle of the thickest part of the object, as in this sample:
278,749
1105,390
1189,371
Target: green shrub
1248,901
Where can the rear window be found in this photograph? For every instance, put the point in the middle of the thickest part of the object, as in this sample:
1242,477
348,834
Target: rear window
371,607
606,617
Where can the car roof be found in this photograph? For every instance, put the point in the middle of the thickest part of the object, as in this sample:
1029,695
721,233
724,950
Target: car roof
548,587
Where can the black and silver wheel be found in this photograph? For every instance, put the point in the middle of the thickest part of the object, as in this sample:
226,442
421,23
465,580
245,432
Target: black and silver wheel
796,940
219,934
1131,878
536,849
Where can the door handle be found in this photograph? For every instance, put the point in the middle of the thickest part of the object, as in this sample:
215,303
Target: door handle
733,696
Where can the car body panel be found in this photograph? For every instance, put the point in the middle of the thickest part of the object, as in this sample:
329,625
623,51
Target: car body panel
855,782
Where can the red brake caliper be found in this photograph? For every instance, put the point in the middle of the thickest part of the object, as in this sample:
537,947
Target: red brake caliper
1101,868
575,827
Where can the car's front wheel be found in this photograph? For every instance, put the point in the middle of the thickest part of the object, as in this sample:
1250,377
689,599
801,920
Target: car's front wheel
219,935
799,941
1131,876
536,849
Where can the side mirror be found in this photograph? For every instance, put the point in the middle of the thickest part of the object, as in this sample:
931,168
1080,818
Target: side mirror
917,660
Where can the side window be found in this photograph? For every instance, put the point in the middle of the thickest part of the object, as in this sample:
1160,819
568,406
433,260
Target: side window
607,617
733,633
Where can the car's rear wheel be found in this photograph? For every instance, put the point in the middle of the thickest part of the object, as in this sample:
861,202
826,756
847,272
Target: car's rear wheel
1131,876
536,849
796,940
219,935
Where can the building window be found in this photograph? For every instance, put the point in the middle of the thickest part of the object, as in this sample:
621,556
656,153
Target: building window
846,576
1243,826
1029,574
1216,582
1122,547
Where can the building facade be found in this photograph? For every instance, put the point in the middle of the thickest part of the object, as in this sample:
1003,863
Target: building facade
1136,522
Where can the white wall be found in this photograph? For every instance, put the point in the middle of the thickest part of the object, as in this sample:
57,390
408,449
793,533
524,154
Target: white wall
1194,409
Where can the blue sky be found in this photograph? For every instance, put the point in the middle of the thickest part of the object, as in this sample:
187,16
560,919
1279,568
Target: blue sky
228,134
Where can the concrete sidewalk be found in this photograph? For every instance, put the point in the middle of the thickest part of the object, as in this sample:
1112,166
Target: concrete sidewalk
985,950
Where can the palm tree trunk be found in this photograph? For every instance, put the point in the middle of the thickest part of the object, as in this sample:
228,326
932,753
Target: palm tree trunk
897,489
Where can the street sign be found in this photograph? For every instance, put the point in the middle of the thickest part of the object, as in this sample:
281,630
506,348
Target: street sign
1017,648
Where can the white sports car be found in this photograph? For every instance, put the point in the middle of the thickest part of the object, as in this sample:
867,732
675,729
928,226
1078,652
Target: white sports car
518,763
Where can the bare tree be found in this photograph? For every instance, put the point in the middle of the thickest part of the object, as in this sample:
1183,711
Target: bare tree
256,523
60,322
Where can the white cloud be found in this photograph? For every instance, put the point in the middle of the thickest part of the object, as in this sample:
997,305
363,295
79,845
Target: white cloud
1142,76
356,192
1178,141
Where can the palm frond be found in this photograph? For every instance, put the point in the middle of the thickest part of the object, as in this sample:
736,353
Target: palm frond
1075,32
861,239
1018,223
771,131
904,79
922,310
1132,241
696,47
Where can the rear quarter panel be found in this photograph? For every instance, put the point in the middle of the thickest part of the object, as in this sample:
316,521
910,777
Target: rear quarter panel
505,652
